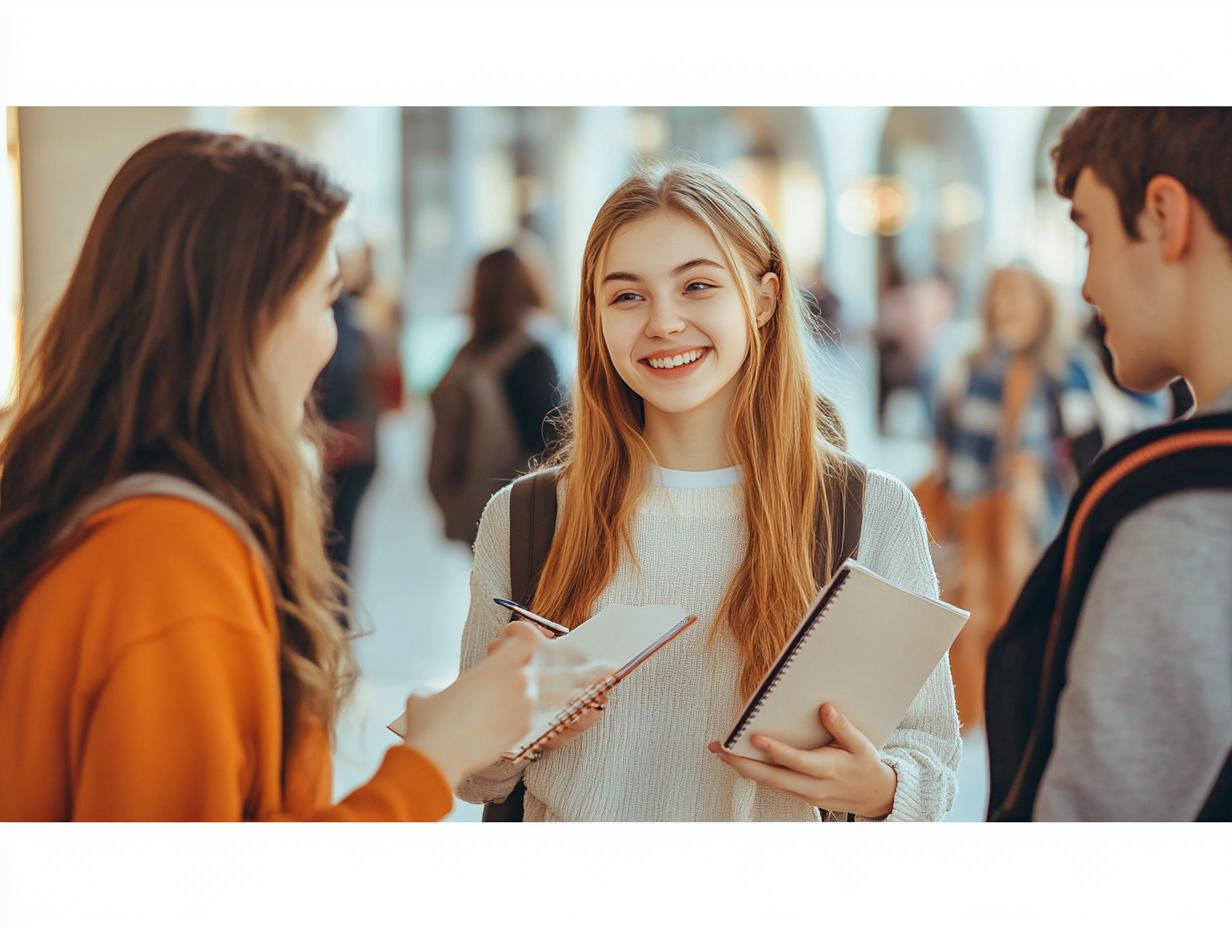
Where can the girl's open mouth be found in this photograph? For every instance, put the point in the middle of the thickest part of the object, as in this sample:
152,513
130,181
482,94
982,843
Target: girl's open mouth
677,365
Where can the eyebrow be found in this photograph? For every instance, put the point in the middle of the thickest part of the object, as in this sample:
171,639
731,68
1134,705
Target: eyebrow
687,266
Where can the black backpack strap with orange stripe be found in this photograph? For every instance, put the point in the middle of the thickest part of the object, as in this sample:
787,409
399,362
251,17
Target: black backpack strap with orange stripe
1027,662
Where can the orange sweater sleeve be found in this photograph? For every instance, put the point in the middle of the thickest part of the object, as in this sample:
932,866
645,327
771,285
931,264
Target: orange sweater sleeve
187,726
407,788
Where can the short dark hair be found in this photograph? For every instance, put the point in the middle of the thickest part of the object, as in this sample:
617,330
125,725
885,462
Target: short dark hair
1127,146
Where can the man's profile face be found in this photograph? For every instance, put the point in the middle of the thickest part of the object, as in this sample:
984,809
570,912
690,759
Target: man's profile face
1122,283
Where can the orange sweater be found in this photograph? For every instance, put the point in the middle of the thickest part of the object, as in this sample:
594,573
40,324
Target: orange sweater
139,681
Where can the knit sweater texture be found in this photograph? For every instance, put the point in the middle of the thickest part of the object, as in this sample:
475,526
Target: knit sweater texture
646,759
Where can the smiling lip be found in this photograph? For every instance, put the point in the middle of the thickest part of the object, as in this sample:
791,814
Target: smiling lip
660,355
673,373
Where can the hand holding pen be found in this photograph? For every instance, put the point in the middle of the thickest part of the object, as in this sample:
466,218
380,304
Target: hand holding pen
579,673
554,630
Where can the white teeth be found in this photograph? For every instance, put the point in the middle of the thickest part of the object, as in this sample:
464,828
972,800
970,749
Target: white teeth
676,360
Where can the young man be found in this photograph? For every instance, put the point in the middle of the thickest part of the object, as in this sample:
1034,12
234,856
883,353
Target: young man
1109,690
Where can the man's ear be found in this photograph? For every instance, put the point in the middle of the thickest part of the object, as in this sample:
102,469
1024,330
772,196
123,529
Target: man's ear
767,297
1169,208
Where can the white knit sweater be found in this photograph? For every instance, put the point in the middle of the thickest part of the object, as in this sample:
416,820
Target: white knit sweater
646,759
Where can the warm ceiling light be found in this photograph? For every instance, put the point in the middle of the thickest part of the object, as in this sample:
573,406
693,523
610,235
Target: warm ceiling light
877,205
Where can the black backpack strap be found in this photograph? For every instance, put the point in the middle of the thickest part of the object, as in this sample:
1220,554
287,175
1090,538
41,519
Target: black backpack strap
845,533
1218,805
532,523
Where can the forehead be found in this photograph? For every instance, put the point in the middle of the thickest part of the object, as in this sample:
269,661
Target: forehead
1091,196
657,243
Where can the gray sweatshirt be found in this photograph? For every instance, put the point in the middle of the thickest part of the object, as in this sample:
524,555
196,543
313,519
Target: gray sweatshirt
1144,723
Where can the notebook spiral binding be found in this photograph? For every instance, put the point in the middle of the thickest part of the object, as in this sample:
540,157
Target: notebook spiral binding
776,673
571,713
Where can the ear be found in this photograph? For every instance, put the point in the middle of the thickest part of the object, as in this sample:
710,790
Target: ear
1169,208
767,297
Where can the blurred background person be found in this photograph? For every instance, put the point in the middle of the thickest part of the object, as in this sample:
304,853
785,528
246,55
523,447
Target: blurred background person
349,396
914,312
492,409
379,313
1016,427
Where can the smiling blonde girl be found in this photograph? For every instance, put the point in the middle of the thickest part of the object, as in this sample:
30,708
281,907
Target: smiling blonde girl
701,472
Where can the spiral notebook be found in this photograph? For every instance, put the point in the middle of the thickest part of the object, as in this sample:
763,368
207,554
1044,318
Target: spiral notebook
867,646
619,636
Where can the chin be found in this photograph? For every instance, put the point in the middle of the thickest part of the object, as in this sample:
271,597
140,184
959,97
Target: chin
1140,379
675,405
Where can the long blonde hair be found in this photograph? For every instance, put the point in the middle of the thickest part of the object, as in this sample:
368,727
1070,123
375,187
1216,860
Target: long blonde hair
783,435
148,363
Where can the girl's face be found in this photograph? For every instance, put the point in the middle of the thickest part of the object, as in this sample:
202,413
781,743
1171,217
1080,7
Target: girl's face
1017,313
302,341
671,314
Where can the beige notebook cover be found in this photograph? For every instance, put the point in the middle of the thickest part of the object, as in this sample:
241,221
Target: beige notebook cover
867,646
618,637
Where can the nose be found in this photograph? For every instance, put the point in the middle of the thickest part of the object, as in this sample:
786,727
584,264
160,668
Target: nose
663,321
1086,287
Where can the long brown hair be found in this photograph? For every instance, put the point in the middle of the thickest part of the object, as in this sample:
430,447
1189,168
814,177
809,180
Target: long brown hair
148,362
505,294
783,435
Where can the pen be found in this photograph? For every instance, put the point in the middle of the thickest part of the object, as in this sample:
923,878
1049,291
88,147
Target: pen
537,619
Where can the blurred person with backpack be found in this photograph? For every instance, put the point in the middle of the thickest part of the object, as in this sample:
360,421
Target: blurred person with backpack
492,409
1016,427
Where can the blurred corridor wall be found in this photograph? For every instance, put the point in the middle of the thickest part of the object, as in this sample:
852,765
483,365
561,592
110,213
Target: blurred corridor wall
68,156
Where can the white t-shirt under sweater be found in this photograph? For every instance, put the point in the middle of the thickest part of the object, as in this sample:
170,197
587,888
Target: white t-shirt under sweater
646,759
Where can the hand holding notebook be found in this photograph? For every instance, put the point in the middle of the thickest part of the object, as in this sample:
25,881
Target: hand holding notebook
865,646
575,672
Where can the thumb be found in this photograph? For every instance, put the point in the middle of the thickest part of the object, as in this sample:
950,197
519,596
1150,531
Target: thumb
518,644
847,735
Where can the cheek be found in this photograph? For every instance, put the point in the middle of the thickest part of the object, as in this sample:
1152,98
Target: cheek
728,332
326,340
296,352
620,334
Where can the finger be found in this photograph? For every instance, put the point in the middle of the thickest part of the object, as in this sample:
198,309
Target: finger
769,774
526,631
518,644
520,624
586,720
811,763
846,734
